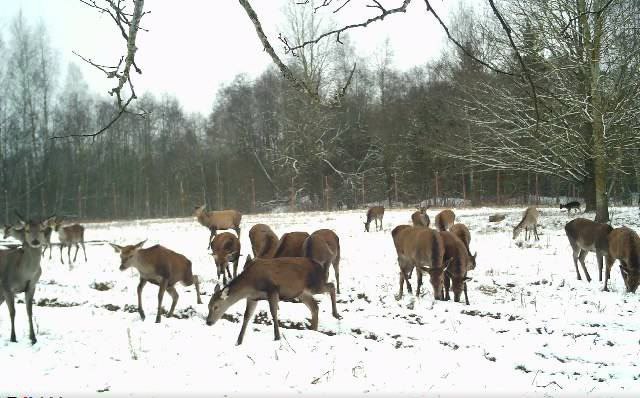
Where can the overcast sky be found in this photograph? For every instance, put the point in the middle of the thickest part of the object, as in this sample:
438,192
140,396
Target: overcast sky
194,46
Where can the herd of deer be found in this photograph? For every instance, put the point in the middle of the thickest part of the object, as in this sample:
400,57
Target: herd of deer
296,266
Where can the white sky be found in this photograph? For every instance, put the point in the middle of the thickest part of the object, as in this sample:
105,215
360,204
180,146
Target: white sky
194,46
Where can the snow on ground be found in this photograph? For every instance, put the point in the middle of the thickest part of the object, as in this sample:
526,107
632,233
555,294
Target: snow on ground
532,329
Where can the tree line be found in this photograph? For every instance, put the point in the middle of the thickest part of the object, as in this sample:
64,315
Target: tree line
452,128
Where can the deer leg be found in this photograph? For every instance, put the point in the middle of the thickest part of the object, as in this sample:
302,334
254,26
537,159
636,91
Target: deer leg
599,256
174,299
447,286
535,231
583,254
140,287
330,287
235,265
228,270
28,295
274,297
61,258
69,255
336,270
213,233
9,297
419,276
50,248
84,251
466,298
312,305
248,313
401,284
161,290
196,282
607,273
76,255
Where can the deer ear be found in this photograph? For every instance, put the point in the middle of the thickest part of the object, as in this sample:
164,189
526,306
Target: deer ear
139,244
117,248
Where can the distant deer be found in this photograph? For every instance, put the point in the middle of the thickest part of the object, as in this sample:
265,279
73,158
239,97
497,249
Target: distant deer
587,236
160,266
462,232
420,248
264,241
458,262
420,218
323,247
291,244
215,220
68,236
571,206
624,245
529,220
374,213
20,270
273,280
445,219
225,248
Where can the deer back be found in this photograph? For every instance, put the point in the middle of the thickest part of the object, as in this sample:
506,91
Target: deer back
224,246
322,246
159,261
445,219
588,234
624,245
264,242
291,244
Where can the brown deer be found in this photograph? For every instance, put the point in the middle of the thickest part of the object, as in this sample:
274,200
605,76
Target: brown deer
374,213
587,236
462,232
160,266
264,241
421,248
458,262
291,245
420,218
323,247
274,280
445,219
68,236
529,220
215,220
624,246
225,248
20,269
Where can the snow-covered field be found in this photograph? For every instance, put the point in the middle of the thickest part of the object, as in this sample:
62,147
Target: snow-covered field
532,329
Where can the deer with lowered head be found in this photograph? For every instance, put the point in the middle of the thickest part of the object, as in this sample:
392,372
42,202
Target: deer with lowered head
264,241
225,249
588,236
624,246
420,218
323,247
70,235
444,220
273,280
423,249
160,266
529,221
457,263
375,213
215,220
20,269
462,232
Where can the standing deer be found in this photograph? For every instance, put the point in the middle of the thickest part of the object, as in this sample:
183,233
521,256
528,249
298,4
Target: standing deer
529,220
462,232
420,248
68,236
264,241
225,248
291,245
374,213
160,266
274,280
20,270
323,247
624,245
458,262
445,219
588,236
215,220
420,218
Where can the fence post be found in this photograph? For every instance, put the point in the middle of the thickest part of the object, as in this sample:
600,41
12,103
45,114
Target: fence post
498,187
253,195
395,186
435,200
537,191
464,188
293,196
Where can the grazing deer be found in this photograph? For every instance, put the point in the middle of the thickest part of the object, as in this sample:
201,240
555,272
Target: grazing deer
624,245
68,236
529,220
215,220
274,280
264,241
291,245
420,248
225,248
571,206
458,262
420,218
20,270
160,266
588,236
374,213
445,219
462,232
323,247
